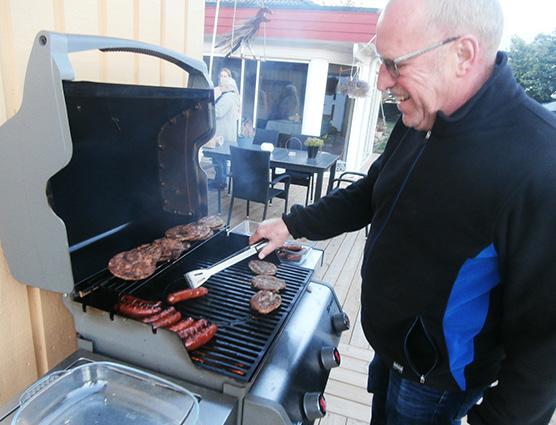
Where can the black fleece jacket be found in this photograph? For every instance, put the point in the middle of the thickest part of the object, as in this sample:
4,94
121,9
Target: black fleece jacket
459,270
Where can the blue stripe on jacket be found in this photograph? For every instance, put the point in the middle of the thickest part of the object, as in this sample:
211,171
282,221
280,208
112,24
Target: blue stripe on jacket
467,309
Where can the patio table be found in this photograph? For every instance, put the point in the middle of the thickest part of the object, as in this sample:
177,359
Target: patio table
296,160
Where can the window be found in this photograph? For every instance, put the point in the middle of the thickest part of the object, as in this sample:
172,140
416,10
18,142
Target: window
338,111
281,97
280,88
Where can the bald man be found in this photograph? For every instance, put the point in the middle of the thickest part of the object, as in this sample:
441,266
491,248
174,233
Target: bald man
459,270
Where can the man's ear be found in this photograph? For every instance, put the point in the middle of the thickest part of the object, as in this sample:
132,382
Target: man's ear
467,50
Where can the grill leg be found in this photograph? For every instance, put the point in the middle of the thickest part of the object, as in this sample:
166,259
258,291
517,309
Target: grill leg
248,208
230,210
265,208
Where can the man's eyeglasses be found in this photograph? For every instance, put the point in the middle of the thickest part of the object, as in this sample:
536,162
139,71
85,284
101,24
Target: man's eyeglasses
391,65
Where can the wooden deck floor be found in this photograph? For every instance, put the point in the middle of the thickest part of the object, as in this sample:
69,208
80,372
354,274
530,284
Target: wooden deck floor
347,399
346,395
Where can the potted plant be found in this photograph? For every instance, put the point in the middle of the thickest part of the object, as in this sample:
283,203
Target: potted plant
313,145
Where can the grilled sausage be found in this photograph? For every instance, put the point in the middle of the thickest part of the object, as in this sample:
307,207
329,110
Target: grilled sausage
131,299
186,294
167,320
201,338
160,315
198,326
137,311
181,325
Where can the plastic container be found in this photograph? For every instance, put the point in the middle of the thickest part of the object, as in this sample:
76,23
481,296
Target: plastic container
297,255
103,393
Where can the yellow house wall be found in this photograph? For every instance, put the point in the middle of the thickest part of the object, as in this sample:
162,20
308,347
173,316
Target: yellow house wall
37,331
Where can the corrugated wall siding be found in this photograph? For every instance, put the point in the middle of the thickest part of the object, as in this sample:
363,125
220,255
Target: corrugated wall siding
36,329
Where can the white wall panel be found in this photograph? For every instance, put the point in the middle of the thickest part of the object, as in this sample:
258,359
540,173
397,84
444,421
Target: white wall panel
81,17
149,32
119,23
173,27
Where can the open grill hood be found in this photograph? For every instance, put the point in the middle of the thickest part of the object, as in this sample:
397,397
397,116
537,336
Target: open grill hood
81,161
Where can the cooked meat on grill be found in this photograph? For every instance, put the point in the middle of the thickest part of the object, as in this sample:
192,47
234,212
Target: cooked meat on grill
171,248
137,311
135,264
186,294
268,283
293,247
285,255
132,299
204,235
262,267
164,313
201,338
195,328
181,325
189,232
212,221
265,302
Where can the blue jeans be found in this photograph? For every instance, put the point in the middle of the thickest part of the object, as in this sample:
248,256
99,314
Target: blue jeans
398,401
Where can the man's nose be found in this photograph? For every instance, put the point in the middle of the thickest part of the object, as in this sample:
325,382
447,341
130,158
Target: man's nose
385,80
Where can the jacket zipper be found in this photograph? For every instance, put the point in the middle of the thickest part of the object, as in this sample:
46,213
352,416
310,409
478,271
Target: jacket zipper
422,375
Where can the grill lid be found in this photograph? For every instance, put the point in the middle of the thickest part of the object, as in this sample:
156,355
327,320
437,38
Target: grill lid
40,140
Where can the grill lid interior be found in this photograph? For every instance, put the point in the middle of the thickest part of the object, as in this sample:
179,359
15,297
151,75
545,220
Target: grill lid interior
134,169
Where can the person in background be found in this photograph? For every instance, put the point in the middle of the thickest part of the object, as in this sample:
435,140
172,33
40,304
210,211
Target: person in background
226,109
224,73
459,268
288,104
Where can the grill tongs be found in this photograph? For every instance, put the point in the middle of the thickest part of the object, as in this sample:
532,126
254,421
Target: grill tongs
196,278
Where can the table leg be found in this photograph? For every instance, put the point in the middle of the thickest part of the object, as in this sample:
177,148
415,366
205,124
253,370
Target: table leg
318,186
332,177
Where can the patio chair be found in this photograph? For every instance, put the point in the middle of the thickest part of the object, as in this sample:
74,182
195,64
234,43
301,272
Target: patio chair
265,136
298,178
217,168
348,177
251,181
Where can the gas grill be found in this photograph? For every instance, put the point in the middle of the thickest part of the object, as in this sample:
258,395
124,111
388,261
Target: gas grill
92,169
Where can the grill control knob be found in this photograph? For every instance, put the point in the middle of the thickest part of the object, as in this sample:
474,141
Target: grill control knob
330,357
314,405
340,322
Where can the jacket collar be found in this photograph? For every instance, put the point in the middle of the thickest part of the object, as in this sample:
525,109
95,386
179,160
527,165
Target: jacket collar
492,98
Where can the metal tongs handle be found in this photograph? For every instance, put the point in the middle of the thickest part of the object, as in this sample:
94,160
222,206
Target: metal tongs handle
196,278
237,257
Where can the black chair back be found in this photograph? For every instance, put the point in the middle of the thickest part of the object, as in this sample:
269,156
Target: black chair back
265,136
250,174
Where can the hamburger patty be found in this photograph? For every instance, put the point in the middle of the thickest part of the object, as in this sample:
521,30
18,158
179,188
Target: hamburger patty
171,248
262,267
135,264
265,302
212,221
189,232
268,283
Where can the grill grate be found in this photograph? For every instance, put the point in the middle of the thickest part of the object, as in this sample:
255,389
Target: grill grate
243,338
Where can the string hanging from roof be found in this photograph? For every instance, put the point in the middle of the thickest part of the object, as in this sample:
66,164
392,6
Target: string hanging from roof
243,35
362,55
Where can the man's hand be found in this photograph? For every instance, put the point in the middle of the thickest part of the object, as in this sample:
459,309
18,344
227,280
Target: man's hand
275,231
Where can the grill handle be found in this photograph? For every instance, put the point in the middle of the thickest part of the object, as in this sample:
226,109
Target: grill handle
62,44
